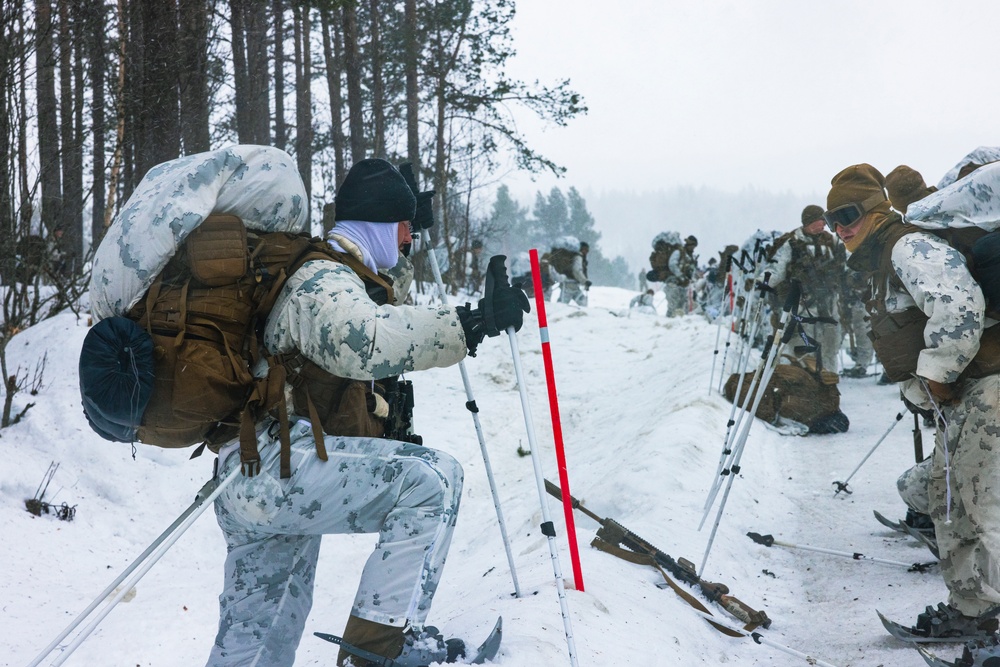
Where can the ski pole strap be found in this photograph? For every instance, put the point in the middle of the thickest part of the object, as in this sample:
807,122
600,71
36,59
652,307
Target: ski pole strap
646,559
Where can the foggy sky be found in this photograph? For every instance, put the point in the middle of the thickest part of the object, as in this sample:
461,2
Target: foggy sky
773,95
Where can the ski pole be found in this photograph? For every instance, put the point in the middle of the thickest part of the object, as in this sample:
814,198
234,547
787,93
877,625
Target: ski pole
474,409
147,559
743,403
842,486
735,310
782,335
760,638
768,540
547,527
550,378
727,284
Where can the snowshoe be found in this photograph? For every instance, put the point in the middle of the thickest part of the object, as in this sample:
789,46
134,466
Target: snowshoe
425,647
945,622
979,653
428,645
855,372
919,522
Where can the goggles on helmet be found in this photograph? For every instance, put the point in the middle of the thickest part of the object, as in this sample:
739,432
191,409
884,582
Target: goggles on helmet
849,214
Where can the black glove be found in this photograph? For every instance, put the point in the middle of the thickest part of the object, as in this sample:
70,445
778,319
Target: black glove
509,306
424,216
653,277
587,285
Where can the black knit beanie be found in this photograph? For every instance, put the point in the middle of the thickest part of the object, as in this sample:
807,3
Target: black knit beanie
374,191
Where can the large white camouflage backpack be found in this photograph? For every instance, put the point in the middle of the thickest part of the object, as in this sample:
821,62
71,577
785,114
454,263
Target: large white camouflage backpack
195,288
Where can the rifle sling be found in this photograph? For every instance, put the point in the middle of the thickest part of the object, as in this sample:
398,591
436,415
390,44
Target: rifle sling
646,559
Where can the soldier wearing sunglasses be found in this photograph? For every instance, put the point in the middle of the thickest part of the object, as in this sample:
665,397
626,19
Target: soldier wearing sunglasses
927,320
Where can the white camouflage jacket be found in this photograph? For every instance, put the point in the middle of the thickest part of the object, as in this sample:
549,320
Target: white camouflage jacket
938,282
325,313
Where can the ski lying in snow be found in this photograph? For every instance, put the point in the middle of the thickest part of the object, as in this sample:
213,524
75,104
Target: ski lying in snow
486,651
906,634
898,526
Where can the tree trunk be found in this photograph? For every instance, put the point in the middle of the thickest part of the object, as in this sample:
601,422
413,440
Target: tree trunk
159,136
303,99
116,159
249,30
96,26
352,66
255,22
440,163
131,93
378,89
49,163
192,52
280,128
9,46
333,57
244,132
69,236
412,52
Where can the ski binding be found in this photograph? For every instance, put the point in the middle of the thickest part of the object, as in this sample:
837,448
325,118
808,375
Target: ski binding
486,651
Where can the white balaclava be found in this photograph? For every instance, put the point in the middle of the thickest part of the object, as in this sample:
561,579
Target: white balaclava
378,241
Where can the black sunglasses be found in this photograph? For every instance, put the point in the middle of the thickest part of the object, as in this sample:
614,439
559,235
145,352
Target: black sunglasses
849,214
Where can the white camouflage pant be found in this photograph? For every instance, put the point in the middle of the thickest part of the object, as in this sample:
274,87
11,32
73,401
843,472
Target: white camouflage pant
571,291
676,299
970,544
914,486
273,527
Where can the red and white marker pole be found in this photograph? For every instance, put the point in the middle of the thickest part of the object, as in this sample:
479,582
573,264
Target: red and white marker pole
543,328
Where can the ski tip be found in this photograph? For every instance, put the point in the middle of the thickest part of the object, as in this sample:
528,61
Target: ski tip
932,659
489,648
891,626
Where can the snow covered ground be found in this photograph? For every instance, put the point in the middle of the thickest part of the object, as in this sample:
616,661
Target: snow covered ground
643,437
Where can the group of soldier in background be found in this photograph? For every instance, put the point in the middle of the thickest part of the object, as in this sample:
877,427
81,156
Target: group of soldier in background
912,274
808,253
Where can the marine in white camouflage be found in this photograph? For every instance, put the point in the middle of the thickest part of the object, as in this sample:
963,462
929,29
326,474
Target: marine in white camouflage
918,270
406,493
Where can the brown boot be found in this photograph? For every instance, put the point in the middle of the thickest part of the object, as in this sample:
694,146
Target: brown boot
384,640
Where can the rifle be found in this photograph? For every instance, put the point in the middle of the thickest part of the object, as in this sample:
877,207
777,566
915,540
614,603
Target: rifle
612,537
399,423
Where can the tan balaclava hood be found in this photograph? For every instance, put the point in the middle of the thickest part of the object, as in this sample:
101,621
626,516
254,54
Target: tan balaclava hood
905,186
855,185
